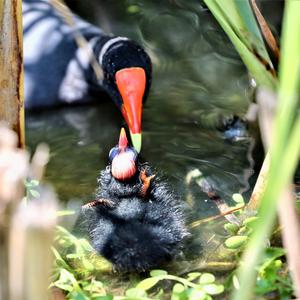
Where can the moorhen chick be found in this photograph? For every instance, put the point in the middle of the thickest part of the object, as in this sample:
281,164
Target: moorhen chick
135,221
58,72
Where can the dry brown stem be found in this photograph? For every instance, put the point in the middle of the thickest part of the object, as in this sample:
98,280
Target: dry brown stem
11,66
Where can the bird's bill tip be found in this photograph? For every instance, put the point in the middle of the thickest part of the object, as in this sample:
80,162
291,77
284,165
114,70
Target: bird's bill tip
136,139
123,142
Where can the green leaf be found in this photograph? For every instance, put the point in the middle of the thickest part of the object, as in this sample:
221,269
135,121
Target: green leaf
31,183
26,183
231,228
248,18
178,288
66,276
238,198
175,296
34,182
78,295
243,231
95,284
275,252
87,265
297,204
34,193
136,293
148,283
213,289
86,245
207,278
64,286
236,241
158,272
133,9
101,264
269,268
278,263
235,282
244,38
59,260
249,221
106,297
197,294
62,213
193,275
178,292
159,294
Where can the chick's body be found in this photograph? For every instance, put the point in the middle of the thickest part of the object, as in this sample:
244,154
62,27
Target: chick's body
136,231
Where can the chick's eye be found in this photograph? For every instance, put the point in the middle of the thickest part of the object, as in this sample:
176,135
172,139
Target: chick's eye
112,153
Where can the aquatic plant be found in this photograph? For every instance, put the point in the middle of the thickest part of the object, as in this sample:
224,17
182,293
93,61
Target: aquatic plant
239,23
272,272
82,274
241,27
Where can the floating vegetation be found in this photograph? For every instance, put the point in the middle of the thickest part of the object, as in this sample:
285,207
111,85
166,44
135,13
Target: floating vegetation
82,274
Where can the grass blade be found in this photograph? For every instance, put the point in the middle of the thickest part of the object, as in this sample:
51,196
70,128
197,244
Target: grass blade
284,151
245,36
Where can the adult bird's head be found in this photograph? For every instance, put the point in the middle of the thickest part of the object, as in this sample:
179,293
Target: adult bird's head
123,159
127,78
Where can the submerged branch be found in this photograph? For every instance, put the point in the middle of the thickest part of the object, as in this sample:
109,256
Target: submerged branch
223,214
208,188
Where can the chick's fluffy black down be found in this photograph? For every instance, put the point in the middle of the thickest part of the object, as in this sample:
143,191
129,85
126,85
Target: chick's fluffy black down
135,233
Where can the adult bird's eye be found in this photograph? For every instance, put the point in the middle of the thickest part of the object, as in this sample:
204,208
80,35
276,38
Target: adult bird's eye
112,153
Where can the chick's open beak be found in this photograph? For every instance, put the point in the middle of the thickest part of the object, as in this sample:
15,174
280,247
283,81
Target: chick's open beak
131,83
123,142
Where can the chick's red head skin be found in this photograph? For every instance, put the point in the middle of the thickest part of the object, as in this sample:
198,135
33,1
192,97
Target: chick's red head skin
123,159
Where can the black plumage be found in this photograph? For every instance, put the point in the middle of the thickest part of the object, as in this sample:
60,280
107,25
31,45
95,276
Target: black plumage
136,223
58,72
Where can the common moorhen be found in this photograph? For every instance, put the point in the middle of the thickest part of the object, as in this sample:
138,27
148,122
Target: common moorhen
135,221
57,71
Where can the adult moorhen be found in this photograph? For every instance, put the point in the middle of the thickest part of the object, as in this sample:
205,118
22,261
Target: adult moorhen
136,222
57,71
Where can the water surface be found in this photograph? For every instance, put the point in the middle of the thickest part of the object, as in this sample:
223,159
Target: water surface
198,80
